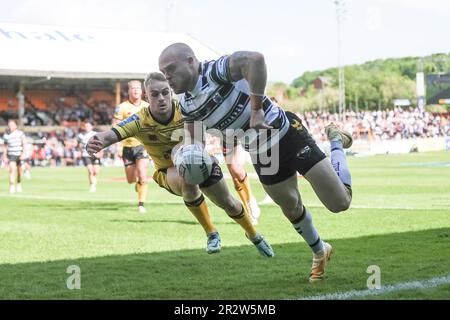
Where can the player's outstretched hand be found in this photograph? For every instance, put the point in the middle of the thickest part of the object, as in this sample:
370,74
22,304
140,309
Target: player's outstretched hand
94,145
257,120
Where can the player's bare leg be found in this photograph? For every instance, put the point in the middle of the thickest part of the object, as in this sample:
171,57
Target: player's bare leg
221,196
286,195
96,171
236,165
91,178
142,183
12,176
130,173
27,170
19,178
195,202
328,187
332,181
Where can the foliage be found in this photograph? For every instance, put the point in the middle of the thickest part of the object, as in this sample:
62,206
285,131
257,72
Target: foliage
374,84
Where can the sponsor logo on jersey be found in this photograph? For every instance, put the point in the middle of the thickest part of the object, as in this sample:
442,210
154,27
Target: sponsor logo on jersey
134,117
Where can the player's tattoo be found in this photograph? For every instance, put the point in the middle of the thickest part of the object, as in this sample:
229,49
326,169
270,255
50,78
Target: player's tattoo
238,64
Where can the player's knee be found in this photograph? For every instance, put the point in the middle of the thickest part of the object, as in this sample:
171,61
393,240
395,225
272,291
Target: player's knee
189,192
237,184
231,206
340,205
293,212
143,180
142,177
237,172
289,205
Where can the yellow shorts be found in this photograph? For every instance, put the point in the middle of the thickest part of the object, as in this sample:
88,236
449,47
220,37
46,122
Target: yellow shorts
160,177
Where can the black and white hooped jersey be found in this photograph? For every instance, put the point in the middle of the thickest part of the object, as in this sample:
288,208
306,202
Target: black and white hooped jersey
83,138
223,104
14,142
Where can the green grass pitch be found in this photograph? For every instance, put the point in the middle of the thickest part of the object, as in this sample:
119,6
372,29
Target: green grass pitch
399,221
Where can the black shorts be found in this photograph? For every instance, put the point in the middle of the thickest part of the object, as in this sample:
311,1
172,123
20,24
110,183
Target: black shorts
15,159
90,160
160,177
215,176
298,152
131,154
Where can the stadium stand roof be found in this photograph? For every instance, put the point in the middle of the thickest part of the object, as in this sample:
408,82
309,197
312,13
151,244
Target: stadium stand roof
78,52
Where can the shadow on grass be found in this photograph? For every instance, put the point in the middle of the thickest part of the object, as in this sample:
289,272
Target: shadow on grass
236,272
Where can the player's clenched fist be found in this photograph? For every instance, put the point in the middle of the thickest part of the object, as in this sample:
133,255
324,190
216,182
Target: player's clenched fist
94,145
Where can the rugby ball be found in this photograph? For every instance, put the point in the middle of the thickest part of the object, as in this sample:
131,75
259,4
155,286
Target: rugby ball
193,163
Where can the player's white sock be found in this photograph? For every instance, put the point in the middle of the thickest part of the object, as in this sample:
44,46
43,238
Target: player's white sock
306,229
339,162
94,180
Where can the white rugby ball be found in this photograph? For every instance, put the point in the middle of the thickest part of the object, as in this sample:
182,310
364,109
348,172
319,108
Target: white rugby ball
193,163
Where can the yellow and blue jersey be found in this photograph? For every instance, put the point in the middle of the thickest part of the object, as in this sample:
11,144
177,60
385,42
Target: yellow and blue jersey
156,137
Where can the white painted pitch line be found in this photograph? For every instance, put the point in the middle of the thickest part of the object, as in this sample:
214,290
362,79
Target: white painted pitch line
412,285
87,199
108,200
317,205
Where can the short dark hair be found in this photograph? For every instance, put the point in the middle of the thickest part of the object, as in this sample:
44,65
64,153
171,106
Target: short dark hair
154,76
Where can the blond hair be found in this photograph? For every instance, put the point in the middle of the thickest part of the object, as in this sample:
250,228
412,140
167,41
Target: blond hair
130,83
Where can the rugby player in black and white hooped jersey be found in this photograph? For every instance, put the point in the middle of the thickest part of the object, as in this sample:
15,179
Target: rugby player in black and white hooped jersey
14,143
227,95
158,128
92,164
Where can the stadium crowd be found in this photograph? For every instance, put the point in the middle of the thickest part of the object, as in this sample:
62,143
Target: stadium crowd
389,124
57,114
60,147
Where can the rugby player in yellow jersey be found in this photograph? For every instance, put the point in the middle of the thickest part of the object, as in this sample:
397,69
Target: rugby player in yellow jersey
154,127
134,155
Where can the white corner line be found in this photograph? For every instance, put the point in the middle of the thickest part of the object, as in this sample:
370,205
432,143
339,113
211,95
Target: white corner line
424,284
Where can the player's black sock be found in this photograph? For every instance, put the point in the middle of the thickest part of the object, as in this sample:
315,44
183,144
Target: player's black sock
140,204
307,230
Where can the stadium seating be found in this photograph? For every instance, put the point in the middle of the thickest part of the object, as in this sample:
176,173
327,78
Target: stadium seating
8,100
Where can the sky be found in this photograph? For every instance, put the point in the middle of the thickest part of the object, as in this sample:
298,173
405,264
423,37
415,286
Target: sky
295,36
